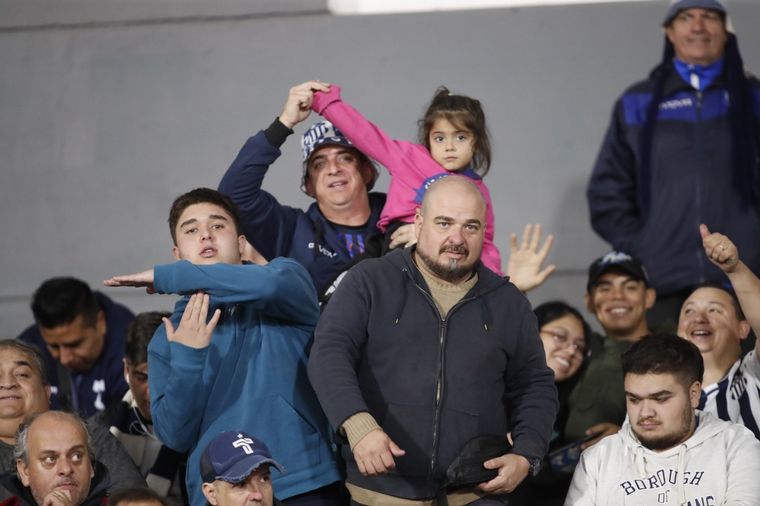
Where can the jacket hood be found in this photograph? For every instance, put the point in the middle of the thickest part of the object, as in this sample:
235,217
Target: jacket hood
708,427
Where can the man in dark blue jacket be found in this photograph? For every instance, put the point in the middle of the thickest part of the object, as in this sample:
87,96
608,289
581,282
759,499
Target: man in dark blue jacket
335,231
81,334
682,149
423,350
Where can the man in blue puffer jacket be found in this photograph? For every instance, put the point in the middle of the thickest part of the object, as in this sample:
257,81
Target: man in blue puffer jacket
683,148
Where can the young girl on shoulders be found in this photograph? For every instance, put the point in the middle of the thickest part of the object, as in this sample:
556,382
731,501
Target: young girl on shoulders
453,139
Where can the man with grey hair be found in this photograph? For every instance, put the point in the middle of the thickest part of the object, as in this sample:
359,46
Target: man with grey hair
682,147
54,465
24,392
424,350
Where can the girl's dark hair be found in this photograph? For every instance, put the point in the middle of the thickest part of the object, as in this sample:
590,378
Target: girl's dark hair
462,112
556,309
745,173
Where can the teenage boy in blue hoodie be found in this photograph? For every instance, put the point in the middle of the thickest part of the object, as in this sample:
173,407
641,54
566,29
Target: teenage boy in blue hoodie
245,367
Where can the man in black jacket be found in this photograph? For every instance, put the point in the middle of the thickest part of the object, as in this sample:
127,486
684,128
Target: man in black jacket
425,349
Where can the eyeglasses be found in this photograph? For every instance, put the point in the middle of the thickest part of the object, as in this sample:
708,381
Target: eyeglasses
563,341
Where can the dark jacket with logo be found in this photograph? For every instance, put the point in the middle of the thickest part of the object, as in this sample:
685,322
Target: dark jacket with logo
326,249
432,383
91,391
690,183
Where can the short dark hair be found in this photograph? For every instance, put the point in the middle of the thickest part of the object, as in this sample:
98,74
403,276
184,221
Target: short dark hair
59,301
663,353
462,112
202,196
729,290
139,333
134,494
36,359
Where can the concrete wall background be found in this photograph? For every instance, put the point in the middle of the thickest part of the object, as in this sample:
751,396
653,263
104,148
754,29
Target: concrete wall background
111,109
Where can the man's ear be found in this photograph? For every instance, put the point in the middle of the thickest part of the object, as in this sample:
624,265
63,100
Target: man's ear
418,220
309,185
23,472
126,370
744,329
369,173
651,297
695,391
210,492
175,253
241,245
100,323
589,303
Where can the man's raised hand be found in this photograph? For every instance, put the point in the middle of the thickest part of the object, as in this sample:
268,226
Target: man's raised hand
298,104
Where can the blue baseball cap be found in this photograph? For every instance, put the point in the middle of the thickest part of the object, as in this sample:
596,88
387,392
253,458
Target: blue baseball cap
232,456
677,6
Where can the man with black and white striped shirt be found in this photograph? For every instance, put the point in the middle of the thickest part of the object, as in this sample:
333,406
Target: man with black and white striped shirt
716,320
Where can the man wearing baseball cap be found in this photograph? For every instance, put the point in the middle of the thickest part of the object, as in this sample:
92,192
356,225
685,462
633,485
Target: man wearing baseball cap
618,293
235,468
339,228
682,147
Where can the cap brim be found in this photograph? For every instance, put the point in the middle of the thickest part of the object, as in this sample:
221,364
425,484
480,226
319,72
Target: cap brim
241,470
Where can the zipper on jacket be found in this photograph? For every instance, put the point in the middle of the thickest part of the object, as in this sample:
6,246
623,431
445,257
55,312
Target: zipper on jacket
442,332
699,169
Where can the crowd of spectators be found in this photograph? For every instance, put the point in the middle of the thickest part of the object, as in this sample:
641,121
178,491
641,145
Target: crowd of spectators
369,351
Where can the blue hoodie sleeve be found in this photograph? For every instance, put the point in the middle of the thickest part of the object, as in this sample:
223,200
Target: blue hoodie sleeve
612,189
178,395
268,225
281,289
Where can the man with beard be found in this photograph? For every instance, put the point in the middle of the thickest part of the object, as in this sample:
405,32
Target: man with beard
666,452
717,320
425,349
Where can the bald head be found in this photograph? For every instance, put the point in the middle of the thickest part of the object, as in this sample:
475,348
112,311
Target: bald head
452,187
450,228
53,458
